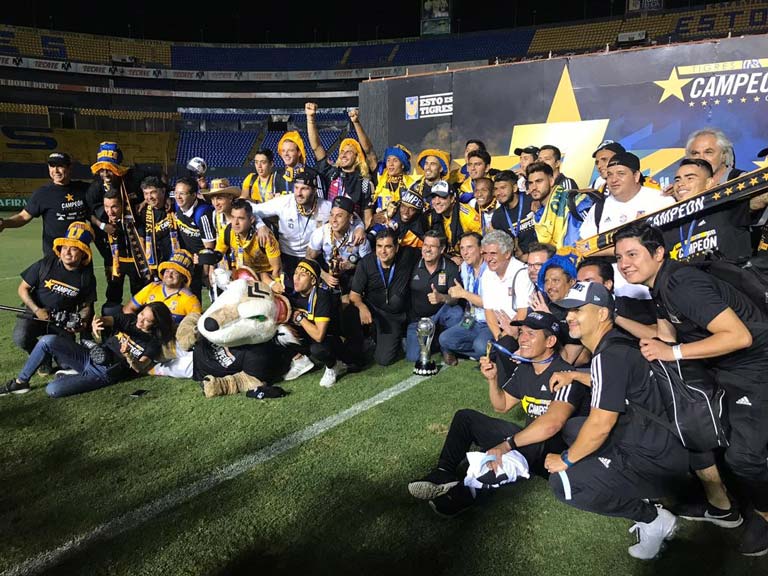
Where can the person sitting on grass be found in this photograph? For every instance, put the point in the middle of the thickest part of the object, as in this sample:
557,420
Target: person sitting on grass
546,413
134,344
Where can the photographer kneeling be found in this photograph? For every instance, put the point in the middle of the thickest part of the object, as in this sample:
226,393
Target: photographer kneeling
134,344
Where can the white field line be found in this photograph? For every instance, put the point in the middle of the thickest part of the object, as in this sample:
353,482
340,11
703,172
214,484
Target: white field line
139,516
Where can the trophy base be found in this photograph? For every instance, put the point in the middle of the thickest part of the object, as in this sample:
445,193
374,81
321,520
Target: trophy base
425,369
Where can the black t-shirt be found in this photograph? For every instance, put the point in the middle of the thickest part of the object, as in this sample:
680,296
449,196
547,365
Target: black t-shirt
350,184
376,287
164,224
320,305
724,230
139,344
690,299
421,284
642,311
621,376
59,206
517,221
60,289
262,361
196,228
534,392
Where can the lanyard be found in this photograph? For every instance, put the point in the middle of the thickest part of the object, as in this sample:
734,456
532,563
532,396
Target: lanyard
387,283
516,231
685,244
517,358
269,187
472,281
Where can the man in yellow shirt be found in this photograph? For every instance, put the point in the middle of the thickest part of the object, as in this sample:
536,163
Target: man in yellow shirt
172,290
239,244
452,217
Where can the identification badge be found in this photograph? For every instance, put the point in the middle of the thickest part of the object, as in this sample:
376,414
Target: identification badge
468,320
442,279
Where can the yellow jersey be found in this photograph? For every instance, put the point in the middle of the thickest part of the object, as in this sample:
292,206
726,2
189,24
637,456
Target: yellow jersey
239,253
179,302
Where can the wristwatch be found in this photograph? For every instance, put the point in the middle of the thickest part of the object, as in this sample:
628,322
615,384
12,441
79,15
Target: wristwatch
352,259
299,317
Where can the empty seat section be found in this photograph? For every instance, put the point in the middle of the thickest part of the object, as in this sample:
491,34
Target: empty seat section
219,149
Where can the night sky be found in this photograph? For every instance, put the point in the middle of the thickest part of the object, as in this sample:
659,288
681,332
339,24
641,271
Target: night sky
340,21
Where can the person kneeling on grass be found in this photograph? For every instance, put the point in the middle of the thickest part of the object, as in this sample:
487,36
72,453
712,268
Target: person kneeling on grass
134,344
546,414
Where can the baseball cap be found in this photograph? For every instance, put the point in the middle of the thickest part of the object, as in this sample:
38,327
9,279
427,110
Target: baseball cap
626,159
344,203
441,188
539,321
307,176
763,153
59,159
611,145
410,198
533,150
586,293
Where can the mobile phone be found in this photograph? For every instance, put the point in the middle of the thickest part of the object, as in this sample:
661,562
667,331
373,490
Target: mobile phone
138,393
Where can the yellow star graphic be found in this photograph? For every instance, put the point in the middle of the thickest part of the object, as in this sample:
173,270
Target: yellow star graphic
717,102
765,176
728,191
741,186
716,196
48,284
69,197
752,181
743,100
762,164
673,86
730,100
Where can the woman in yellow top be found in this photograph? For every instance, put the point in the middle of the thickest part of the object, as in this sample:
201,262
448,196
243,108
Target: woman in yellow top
239,244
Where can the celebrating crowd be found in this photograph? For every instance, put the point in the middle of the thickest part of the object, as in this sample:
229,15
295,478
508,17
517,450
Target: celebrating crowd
363,249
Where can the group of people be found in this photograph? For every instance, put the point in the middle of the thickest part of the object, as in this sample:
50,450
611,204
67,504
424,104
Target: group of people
364,249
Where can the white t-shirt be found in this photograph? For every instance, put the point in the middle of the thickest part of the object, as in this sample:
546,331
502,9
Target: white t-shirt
616,213
508,293
295,229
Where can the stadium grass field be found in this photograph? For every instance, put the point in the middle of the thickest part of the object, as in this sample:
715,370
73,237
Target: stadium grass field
336,503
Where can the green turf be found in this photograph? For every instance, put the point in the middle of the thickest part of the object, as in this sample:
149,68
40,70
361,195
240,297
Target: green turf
337,504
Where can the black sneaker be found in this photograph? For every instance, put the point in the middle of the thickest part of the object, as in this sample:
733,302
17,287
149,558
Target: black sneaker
455,501
433,485
14,387
754,541
705,512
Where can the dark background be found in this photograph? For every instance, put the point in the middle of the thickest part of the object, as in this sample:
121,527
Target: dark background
278,21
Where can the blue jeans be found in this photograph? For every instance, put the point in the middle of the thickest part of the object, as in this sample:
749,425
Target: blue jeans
67,353
470,342
444,318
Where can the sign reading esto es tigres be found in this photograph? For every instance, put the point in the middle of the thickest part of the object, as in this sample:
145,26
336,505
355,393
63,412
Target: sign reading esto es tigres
428,106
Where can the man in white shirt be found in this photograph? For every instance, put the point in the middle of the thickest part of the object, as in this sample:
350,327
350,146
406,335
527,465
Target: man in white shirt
506,289
299,215
628,199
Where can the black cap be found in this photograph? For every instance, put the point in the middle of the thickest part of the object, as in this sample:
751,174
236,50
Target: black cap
59,159
441,188
611,145
344,203
539,321
763,153
307,176
411,198
626,159
533,150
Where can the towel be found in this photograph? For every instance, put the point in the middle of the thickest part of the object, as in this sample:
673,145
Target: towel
480,475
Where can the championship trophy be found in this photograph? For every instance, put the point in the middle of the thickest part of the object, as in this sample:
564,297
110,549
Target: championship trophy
425,331
334,265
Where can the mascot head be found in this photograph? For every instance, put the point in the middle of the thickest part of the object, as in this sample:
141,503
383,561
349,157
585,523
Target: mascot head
247,312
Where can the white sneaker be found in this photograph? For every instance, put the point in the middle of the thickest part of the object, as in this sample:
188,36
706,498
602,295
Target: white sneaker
69,372
331,374
329,378
299,366
651,536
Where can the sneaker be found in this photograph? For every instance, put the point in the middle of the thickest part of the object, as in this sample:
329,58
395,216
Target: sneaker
13,386
754,541
651,536
706,512
329,378
449,358
299,366
457,500
66,372
433,485
45,369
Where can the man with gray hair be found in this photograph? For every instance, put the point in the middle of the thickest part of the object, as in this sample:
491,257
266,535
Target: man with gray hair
506,288
713,145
